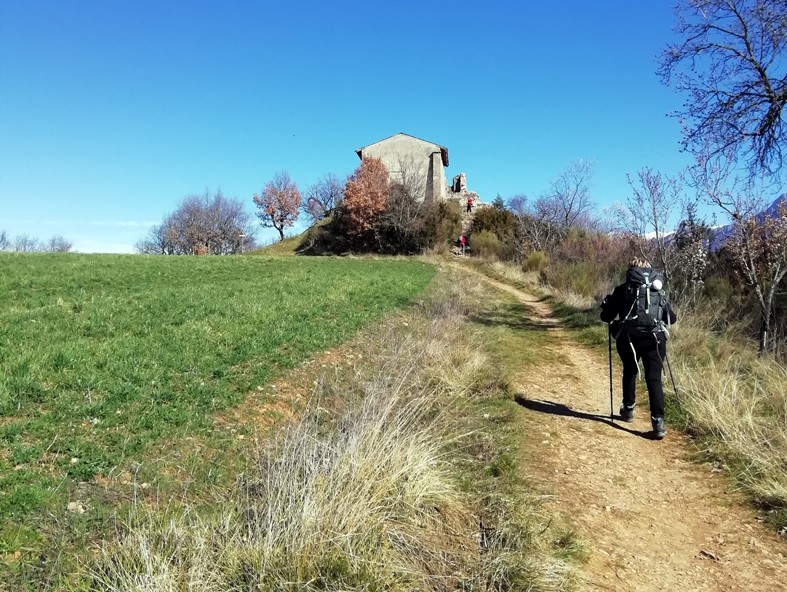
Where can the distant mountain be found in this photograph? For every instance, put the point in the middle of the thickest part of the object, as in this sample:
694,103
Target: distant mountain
721,233
771,210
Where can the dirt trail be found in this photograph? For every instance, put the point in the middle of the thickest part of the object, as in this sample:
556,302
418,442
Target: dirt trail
651,519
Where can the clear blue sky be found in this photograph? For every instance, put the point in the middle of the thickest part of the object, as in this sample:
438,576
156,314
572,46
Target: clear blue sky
112,112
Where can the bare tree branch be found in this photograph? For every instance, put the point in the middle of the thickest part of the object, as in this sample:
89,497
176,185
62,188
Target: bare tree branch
201,224
323,197
569,199
730,63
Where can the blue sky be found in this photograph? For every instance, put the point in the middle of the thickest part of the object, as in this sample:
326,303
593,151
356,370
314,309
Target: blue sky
112,112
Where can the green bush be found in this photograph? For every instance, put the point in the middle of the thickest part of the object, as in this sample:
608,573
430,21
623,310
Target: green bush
497,219
717,288
500,221
536,261
448,225
485,244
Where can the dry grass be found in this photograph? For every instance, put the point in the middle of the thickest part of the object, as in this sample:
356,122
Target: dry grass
515,275
573,299
364,496
742,408
736,403
371,501
530,281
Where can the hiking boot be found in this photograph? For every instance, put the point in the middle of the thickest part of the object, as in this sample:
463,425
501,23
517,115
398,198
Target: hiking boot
659,431
627,413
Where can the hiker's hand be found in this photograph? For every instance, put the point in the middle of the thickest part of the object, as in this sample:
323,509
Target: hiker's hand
607,312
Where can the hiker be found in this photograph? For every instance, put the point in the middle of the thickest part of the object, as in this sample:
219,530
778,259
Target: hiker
462,244
469,205
641,332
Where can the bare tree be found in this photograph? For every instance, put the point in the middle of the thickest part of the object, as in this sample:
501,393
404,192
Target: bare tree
24,243
202,224
536,225
323,197
568,201
59,244
760,250
655,198
731,63
230,226
522,242
157,242
402,219
758,243
278,204
411,178
692,244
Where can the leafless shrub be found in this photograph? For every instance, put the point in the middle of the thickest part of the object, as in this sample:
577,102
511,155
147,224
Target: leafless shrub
202,224
323,197
59,244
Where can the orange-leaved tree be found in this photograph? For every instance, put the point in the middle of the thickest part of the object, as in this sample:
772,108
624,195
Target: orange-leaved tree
279,204
365,196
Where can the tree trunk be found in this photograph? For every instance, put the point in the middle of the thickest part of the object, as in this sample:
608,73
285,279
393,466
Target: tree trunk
766,310
764,330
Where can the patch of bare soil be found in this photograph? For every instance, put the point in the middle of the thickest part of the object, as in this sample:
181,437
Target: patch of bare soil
280,402
651,519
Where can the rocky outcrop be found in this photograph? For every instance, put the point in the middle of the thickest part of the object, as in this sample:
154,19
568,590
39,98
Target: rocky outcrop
459,191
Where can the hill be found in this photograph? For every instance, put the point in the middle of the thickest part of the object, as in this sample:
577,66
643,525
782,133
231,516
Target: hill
720,234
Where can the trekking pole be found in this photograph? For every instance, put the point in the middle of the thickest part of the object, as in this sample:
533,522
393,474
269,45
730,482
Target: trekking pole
672,378
611,403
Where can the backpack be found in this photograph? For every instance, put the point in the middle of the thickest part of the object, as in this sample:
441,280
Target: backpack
645,301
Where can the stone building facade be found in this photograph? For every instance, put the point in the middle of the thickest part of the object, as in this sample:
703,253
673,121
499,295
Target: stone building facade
412,161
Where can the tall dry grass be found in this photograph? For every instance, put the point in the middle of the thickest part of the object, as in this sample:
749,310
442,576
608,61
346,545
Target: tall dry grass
514,274
734,402
744,410
363,497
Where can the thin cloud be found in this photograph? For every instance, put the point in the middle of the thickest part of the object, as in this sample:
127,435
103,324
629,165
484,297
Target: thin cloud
90,245
124,223
103,223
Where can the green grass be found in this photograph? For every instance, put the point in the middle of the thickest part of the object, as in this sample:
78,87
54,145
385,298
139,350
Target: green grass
584,322
109,364
514,345
381,485
282,248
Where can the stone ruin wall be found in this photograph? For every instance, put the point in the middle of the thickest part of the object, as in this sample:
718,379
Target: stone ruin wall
458,190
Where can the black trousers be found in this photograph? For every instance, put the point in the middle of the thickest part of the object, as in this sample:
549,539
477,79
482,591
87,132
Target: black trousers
651,349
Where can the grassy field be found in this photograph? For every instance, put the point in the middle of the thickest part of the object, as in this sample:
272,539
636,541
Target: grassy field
113,370
400,475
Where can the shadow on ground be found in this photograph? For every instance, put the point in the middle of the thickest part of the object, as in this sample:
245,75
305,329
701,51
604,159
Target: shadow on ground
513,316
559,409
